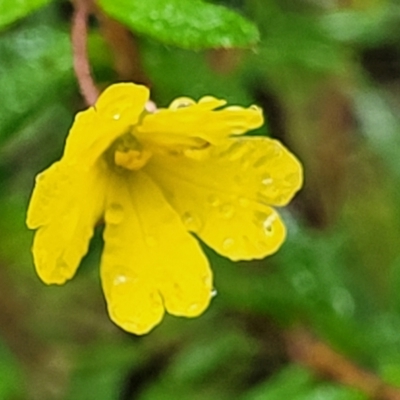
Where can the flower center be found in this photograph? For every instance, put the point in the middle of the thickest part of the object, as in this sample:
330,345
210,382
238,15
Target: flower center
128,153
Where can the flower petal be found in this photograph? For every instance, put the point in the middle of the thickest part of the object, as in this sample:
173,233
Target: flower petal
224,193
117,110
185,120
66,204
149,260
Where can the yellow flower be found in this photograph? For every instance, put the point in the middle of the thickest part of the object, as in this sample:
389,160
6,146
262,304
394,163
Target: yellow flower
153,178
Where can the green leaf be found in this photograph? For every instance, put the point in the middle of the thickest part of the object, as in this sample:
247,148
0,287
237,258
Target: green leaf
11,375
36,71
11,11
290,383
100,370
184,23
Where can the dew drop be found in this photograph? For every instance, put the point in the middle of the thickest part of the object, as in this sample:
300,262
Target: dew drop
266,180
191,222
181,102
268,224
228,243
213,292
116,117
255,108
123,274
268,227
226,210
213,200
114,214
40,178
119,279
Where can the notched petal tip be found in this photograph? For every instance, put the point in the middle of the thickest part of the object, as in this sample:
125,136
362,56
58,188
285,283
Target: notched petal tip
49,270
138,326
133,303
189,296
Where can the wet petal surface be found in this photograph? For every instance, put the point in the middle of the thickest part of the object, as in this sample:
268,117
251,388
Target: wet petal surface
117,110
186,122
149,260
66,204
224,193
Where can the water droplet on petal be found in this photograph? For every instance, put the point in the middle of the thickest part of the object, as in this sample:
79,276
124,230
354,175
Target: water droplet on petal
121,274
268,224
40,178
120,279
207,99
266,179
255,108
226,210
191,221
116,117
114,214
213,200
213,292
181,102
228,243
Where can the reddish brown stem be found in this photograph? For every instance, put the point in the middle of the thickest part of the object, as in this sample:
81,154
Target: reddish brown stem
79,45
326,362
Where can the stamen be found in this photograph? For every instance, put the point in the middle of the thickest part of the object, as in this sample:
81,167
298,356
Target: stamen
132,159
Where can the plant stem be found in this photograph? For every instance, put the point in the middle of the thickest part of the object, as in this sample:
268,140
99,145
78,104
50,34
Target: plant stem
80,55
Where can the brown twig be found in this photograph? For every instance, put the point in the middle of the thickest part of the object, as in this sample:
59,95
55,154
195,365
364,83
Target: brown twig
125,49
123,44
326,362
79,45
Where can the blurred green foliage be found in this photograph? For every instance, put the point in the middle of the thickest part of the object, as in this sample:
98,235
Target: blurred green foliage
187,23
327,74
